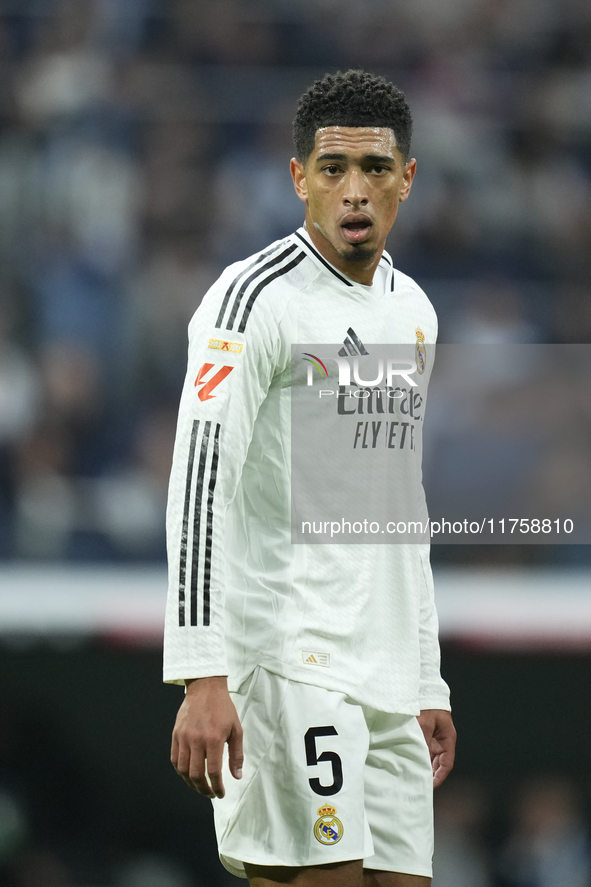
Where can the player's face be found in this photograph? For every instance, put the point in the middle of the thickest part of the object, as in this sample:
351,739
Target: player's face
352,184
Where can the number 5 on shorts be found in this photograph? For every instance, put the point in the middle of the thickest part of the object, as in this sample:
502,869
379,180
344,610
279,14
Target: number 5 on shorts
313,758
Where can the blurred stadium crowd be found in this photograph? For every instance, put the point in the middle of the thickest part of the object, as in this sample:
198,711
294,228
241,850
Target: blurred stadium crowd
145,144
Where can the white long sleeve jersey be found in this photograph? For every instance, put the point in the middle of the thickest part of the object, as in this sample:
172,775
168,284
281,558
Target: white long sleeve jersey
359,619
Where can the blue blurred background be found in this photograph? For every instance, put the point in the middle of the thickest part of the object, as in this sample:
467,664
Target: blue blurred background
144,144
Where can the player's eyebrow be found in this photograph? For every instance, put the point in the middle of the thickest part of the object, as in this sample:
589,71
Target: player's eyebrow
331,157
379,158
367,158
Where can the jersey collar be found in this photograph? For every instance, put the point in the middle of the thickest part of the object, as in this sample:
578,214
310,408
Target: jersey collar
304,238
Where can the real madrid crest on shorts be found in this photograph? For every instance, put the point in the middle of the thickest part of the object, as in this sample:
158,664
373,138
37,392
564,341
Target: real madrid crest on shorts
328,829
420,351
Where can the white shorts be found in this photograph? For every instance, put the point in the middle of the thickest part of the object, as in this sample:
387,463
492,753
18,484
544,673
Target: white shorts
325,780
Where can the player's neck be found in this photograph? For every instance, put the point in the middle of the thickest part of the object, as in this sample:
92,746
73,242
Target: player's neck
360,272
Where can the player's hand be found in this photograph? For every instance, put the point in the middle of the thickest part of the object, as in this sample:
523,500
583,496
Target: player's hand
207,719
440,736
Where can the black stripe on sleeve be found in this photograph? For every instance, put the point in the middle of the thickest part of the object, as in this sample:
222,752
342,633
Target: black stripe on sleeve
321,259
197,520
230,289
185,527
262,285
209,527
252,277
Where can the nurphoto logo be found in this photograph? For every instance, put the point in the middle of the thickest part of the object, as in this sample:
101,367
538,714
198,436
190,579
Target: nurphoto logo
386,370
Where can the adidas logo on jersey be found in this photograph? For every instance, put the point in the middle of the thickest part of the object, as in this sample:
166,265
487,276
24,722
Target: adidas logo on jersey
310,658
353,344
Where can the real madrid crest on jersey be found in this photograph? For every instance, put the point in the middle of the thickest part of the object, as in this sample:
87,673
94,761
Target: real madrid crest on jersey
328,829
420,351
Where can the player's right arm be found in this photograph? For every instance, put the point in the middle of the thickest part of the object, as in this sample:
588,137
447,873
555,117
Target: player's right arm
206,720
228,376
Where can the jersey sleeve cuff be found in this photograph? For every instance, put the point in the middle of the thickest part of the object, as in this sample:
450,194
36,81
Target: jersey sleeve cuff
434,704
189,673
435,696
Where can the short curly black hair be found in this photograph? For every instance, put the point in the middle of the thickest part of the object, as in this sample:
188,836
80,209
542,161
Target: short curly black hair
353,98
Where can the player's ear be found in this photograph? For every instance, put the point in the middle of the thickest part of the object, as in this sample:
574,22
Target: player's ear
298,175
408,175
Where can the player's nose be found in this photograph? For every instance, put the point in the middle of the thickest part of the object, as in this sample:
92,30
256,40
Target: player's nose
355,191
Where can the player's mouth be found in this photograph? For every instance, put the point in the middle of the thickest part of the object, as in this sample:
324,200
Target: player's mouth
356,227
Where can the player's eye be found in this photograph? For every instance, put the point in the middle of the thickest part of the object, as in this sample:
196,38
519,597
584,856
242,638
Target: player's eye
332,170
380,170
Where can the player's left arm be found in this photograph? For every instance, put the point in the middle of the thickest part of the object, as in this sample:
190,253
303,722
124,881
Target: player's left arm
435,718
440,736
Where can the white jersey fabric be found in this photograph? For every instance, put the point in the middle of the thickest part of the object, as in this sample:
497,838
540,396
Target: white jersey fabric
240,593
